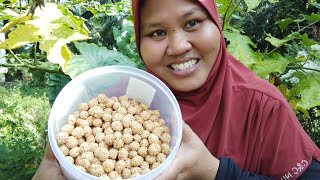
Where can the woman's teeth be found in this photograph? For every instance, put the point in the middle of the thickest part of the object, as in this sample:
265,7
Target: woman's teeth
183,66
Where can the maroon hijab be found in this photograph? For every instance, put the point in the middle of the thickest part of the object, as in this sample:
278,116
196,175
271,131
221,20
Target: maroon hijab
240,116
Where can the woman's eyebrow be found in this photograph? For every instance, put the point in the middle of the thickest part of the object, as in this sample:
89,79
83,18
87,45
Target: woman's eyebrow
188,13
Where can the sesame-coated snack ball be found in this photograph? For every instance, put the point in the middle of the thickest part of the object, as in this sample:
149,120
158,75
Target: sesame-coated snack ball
165,137
108,165
144,142
103,145
100,137
144,165
139,119
106,125
76,114
125,104
143,151
74,152
110,103
126,120
108,110
90,138
127,138
150,159
123,99
134,146
107,117
126,173
84,114
93,146
102,98
71,118
96,170
95,160
65,150
117,117
153,139
154,165
123,153
85,147
108,130
136,127
117,135
72,142
68,128
162,122
77,132
157,131
132,154
116,105
145,170
81,140
97,122
113,174
166,129
101,153
153,118
81,168
132,110
127,130
122,111
83,123
83,162
84,106
145,115
137,138
87,155
145,134
155,113
148,125
113,153
136,170
70,159
117,126
120,165
97,130
154,149
136,161
97,112
143,106
90,120
165,148
109,139
62,137
118,143
161,157
115,99
93,102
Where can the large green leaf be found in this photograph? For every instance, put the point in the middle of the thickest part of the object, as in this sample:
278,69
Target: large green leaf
55,85
273,62
240,48
308,89
317,5
252,4
283,23
93,56
52,29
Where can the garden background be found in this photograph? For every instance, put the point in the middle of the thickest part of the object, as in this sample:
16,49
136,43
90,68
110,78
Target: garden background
43,45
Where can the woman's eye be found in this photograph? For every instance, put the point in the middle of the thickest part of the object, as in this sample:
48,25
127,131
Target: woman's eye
192,23
158,33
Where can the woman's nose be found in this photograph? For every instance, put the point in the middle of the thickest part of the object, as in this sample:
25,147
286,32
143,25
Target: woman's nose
178,43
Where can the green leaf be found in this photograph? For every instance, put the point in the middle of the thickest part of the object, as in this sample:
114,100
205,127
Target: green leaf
313,18
274,41
52,30
283,23
55,85
252,4
317,5
308,88
273,62
306,40
93,56
273,1
240,48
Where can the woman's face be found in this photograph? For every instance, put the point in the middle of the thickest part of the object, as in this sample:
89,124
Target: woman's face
179,42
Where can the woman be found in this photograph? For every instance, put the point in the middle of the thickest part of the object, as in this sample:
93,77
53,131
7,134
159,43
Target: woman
241,127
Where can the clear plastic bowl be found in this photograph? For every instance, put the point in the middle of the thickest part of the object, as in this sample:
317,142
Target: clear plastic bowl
114,81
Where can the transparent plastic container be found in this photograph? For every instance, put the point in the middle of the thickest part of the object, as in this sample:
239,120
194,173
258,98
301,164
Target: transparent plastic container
115,81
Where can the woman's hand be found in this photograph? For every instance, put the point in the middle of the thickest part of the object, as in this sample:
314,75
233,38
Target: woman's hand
49,168
193,160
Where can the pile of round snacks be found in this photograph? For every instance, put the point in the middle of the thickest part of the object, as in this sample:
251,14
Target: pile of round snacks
115,138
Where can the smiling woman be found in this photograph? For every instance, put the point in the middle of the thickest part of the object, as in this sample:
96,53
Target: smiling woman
242,127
